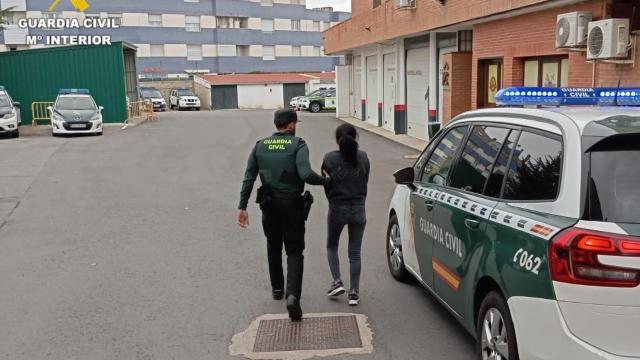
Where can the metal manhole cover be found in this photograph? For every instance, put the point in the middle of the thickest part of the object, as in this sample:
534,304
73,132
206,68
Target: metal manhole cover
316,333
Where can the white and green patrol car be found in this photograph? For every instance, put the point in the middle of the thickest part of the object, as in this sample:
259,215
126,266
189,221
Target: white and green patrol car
9,114
525,224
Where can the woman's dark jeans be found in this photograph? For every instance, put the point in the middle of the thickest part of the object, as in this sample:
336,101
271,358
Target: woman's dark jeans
354,217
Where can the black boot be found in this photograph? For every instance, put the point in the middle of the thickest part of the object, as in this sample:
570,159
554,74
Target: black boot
293,306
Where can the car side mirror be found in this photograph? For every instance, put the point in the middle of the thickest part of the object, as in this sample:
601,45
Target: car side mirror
405,176
437,179
101,108
50,108
16,104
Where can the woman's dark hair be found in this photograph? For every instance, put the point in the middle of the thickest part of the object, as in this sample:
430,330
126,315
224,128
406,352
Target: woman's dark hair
347,139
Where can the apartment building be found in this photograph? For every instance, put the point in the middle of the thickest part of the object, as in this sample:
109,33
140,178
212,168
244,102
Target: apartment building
182,37
413,65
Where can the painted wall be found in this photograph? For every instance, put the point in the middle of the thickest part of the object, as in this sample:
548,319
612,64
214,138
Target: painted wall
508,40
260,96
386,22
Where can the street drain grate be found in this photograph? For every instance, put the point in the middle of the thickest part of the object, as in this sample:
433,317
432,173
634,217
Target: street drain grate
314,333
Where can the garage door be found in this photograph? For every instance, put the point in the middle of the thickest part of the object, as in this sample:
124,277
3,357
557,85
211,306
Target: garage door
417,92
389,91
372,90
357,88
292,90
224,97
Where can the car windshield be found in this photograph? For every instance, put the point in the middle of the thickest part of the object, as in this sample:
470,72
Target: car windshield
4,101
613,191
150,93
75,103
184,92
317,93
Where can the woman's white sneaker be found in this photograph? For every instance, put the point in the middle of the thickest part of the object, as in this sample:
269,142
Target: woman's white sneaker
354,298
336,289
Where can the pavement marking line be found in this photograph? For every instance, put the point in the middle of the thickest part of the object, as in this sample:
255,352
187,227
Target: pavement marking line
242,344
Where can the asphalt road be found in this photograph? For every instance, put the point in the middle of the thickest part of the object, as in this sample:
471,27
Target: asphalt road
125,246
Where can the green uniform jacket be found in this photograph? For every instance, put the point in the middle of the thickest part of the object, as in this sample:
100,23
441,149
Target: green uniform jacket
283,161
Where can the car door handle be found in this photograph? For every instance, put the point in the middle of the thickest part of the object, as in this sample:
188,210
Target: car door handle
429,205
471,223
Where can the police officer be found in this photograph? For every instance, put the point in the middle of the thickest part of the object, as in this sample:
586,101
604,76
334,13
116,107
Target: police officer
282,163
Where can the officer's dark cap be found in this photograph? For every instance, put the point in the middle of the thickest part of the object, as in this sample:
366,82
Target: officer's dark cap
282,118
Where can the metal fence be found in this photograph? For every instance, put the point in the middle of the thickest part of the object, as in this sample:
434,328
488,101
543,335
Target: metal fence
40,111
138,109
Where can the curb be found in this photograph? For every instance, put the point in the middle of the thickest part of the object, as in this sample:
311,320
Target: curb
405,140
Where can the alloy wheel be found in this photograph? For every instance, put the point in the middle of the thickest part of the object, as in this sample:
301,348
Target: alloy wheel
395,249
494,341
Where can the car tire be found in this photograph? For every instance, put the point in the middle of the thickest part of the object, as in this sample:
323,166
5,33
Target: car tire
395,258
179,108
315,107
15,133
197,109
500,336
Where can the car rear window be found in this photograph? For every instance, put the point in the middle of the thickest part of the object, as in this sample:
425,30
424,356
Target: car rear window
534,171
613,191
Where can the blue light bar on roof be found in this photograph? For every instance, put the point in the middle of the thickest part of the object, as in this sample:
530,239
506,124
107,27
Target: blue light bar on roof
534,96
74,91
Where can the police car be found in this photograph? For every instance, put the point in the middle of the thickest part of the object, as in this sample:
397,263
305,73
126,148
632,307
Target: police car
184,98
325,100
9,114
75,112
525,224
295,101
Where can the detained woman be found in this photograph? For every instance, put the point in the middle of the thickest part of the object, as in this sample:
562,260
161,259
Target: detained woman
347,192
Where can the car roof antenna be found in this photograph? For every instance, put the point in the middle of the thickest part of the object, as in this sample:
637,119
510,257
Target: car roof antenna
615,98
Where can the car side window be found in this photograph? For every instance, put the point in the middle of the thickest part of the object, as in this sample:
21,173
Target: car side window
476,162
534,171
494,185
441,159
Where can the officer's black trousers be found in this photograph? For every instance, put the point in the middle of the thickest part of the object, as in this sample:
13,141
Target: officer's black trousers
283,223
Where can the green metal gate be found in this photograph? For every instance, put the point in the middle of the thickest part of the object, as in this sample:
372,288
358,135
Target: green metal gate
292,90
37,75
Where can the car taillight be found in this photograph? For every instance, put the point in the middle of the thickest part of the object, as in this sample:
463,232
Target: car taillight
573,258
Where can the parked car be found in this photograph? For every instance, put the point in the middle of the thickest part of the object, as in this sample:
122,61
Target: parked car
75,112
295,101
525,224
184,98
320,101
9,114
155,96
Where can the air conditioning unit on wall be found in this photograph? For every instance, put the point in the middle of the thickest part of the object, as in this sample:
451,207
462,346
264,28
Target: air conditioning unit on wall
608,39
405,4
572,29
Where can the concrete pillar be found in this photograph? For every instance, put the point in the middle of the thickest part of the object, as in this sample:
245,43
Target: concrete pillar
380,83
343,74
433,124
363,84
400,109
